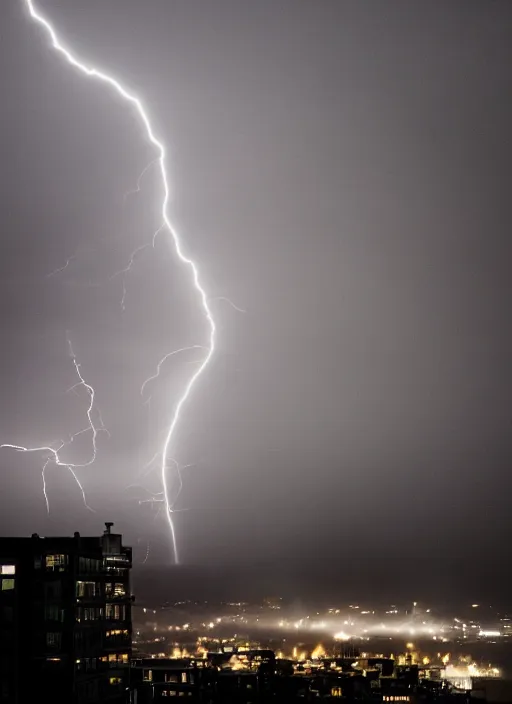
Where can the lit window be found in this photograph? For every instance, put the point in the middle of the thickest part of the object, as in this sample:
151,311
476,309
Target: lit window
56,563
85,589
147,675
116,633
115,680
119,589
184,678
8,569
170,678
123,657
7,584
115,612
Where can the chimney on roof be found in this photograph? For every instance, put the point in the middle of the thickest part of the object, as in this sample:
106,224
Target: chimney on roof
108,526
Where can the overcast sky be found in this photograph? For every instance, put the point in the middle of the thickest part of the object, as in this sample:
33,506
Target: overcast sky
341,172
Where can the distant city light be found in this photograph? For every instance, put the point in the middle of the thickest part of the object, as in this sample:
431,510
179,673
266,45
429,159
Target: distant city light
489,634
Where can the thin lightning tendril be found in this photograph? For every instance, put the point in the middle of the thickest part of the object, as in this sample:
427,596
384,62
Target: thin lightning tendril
140,110
54,453
164,359
230,302
61,268
128,268
138,185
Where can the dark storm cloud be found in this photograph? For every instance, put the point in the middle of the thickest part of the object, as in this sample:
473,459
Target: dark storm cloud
340,171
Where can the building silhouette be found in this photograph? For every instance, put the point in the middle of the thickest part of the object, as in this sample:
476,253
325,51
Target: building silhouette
65,619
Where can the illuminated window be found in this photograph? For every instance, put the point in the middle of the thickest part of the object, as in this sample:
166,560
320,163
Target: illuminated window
7,584
123,657
119,589
8,569
184,678
117,633
115,612
85,589
56,563
170,678
115,680
89,613
147,675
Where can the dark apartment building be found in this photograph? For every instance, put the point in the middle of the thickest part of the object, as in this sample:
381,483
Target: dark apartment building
65,619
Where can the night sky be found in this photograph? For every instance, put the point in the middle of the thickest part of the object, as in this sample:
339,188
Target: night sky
341,172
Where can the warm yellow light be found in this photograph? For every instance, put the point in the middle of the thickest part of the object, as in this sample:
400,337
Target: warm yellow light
318,652
341,636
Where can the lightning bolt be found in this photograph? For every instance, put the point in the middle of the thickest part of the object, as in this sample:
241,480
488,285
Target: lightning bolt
53,453
136,103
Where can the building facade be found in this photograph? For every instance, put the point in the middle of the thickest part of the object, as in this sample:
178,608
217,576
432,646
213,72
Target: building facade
65,619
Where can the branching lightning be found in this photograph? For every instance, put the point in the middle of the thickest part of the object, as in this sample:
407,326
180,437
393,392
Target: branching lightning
54,453
230,302
164,359
124,272
140,110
